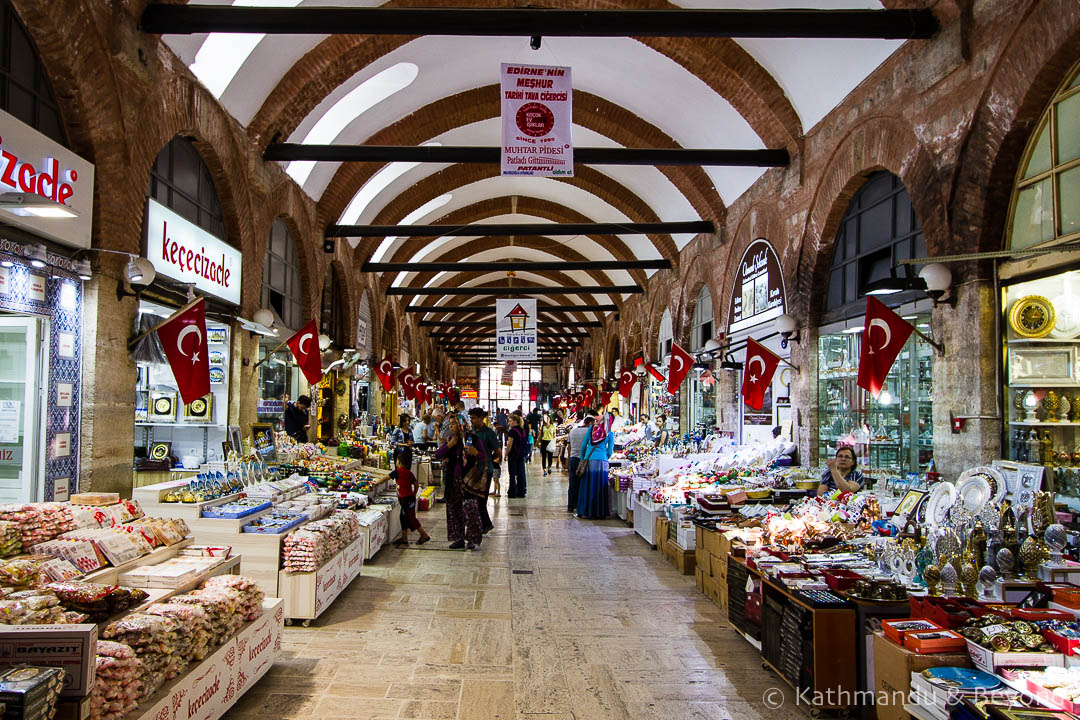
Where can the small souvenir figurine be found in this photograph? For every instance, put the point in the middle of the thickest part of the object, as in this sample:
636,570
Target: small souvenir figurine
1050,405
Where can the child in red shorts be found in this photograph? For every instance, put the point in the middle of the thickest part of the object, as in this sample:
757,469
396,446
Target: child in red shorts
406,492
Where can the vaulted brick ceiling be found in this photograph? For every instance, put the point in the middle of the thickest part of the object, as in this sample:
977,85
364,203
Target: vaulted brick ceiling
657,92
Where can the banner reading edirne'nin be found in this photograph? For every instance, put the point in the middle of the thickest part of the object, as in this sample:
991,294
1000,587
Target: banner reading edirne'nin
537,103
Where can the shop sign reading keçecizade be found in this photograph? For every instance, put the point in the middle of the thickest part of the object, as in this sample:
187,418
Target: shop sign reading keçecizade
32,163
757,294
184,252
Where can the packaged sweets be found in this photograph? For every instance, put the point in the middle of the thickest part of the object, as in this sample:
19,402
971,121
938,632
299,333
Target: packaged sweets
118,687
251,595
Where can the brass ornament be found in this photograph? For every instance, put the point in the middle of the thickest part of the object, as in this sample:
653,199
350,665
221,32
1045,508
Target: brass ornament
1032,316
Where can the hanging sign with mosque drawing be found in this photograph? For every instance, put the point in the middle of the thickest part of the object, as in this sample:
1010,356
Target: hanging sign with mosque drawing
758,294
515,329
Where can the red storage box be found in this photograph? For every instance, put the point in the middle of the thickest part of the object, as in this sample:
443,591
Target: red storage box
1040,614
1066,594
841,580
949,613
423,503
934,641
1064,645
896,629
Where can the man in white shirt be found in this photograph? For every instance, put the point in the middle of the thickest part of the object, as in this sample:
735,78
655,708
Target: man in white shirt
574,441
619,422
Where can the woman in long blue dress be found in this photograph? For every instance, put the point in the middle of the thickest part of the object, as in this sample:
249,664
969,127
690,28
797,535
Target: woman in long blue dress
593,498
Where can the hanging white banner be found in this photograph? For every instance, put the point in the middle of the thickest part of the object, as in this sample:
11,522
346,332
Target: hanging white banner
537,104
515,330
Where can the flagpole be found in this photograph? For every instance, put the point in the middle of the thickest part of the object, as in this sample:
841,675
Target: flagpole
940,347
283,344
135,340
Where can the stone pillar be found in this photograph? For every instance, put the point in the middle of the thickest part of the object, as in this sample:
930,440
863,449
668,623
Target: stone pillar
967,380
243,379
804,396
107,425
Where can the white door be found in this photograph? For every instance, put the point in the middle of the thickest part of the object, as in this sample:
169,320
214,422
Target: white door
23,381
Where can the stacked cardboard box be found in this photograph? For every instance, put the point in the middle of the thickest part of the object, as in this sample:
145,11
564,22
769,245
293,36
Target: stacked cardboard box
712,551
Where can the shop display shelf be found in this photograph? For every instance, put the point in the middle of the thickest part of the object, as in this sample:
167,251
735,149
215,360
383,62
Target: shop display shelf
180,424
229,567
308,594
110,575
208,688
1044,424
1043,341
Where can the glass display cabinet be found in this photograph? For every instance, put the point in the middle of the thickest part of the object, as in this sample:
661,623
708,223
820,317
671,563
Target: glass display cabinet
892,434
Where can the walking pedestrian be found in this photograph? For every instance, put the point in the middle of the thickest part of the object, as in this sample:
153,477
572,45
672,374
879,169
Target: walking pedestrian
574,441
461,452
516,447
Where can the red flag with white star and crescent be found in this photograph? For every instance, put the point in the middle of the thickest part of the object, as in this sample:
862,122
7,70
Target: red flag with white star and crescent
679,367
307,357
626,381
188,358
385,372
884,335
757,374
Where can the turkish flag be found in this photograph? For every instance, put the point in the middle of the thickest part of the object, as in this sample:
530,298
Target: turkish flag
757,374
590,394
307,357
419,386
407,378
626,382
429,393
605,399
579,400
679,367
654,372
884,335
188,358
455,395
385,372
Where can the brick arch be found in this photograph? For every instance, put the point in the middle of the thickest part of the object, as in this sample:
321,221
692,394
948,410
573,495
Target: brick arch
699,274
449,318
875,144
1042,48
556,277
285,202
93,110
479,245
387,342
469,106
501,206
719,62
659,300
345,297
585,178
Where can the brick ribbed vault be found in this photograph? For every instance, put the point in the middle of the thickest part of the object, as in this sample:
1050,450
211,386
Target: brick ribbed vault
590,111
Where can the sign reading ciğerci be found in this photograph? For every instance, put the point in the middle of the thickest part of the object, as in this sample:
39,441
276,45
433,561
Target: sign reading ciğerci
515,330
184,252
537,101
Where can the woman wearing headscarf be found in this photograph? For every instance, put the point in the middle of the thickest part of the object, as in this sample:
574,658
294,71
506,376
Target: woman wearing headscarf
593,500
461,452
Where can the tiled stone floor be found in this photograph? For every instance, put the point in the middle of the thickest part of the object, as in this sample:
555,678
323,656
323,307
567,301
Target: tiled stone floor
552,618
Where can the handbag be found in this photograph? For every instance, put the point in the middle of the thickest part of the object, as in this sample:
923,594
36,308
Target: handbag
550,447
475,481
583,463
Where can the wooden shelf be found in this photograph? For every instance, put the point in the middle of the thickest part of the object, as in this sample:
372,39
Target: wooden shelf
109,575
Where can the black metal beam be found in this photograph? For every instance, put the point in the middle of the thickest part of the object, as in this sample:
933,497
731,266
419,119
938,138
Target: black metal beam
514,292
490,309
459,344
697,157
505,229
491,323
518,266
528,22
541,333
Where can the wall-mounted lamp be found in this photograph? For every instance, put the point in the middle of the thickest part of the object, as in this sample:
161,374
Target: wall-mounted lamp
32,205
325,342
36,254
938,280
788,329
82,269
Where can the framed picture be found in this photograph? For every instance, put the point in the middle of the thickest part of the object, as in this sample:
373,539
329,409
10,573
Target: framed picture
910,502
200,410
216,336
226,449
162,406
160,451
235,439
1033,367
217,357
264,442
217,375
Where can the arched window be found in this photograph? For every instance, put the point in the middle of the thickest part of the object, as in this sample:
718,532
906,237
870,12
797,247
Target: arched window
25,91
332,317
181,182
281,290
878,229
663,345
1046,199
701,326
363,325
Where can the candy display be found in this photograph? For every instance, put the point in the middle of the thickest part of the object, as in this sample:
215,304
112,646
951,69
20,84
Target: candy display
276,522
155,640
98,602
194,619
10,538
220,607
118,687
30,521
250,594
80,553
20,572
236,508
308,548
30,692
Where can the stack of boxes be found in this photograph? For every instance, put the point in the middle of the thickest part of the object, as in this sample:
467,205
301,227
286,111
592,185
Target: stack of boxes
667,542
712,551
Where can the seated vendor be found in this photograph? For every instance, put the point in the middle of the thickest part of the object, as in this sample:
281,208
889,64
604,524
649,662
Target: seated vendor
841,473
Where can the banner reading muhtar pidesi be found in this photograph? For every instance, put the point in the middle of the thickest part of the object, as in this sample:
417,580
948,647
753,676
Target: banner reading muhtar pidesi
537,103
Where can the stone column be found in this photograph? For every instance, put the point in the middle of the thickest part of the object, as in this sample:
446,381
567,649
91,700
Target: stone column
967,380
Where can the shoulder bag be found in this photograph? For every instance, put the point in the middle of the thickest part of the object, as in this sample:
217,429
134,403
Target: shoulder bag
583,463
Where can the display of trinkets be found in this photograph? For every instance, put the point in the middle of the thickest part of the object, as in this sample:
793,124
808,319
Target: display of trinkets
1000,635
207,486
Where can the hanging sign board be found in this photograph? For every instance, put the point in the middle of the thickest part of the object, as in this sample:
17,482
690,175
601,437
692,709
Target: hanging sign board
758,294
184,252
515,330
32,163
536,118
